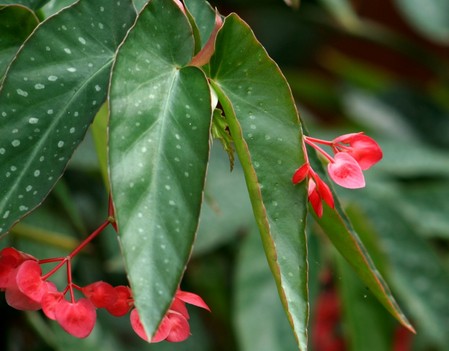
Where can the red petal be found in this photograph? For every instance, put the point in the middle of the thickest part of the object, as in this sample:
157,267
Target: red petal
163,331
180,307
324,191
123,303
29,280
10,258
366,151
77,318
315,201
136,324
101,294
301,173
18,300
49,302
192,299
346,172
179,328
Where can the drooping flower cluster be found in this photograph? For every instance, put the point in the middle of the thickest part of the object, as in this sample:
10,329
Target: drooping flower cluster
353,153
27,288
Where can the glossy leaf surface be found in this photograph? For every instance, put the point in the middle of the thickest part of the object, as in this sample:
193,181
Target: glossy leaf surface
204,17
265,127
49,97
338,228
16,24
159,147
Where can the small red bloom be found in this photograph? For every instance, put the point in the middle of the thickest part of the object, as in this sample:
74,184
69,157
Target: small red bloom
76,318
301,173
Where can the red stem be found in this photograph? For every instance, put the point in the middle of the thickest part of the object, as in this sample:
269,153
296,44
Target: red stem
319,141
51,260
69,280
89,239
73,253
319,149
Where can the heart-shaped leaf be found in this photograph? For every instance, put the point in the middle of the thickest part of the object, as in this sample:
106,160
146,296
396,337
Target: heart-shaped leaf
50,94
266,131
160,115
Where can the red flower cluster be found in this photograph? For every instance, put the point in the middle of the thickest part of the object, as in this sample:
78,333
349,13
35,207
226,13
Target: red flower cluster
353,153
26,288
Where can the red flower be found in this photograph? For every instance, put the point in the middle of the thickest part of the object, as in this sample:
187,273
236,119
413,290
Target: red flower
174,326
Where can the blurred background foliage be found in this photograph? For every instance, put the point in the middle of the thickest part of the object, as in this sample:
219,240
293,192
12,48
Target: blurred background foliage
378,67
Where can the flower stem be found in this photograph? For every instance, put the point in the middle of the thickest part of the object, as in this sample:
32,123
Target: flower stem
89,239
319,149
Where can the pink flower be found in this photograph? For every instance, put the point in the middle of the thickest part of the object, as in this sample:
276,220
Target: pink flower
361,147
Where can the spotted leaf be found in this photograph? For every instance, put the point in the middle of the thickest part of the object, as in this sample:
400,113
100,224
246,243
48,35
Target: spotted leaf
265,127
160,116
50,94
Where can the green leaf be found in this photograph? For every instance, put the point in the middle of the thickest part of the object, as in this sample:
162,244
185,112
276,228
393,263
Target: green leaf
204,16
264,124
416,272
430,18
31,4
16,24
159,148
339,230
50,95
54,6
260,319
100,136
139,4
